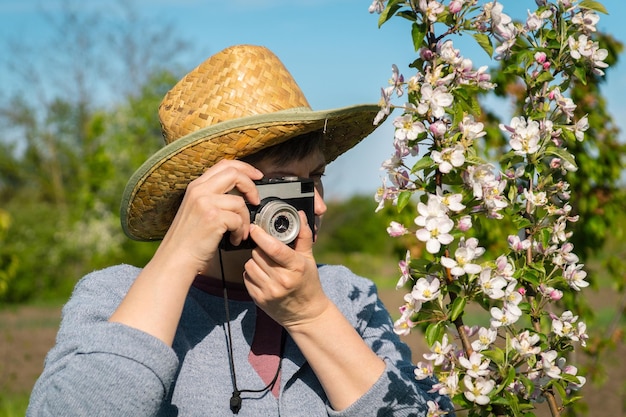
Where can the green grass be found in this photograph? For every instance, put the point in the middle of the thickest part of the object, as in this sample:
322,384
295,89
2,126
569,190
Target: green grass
14,405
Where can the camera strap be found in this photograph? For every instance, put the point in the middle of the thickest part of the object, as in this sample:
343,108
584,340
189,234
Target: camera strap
235,399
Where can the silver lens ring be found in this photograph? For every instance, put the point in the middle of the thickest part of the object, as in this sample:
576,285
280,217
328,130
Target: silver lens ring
280,220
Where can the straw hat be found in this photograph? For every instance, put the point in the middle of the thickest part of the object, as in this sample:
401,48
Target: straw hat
235,103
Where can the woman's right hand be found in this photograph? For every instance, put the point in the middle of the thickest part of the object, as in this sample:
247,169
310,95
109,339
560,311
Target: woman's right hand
155,301
209,210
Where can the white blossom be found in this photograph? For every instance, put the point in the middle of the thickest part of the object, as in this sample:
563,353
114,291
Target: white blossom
525,344
485,338
436,233
492,287
426,289
449,158
502,317
439,351
575,276
434,100
407,128
478,390
475,365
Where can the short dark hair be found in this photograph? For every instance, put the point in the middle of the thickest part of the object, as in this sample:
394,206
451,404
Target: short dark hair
296,149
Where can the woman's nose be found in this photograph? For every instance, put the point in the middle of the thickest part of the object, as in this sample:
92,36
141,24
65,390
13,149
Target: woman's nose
319,206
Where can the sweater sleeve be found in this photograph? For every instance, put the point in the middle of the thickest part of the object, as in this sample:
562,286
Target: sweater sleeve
397,392
102,368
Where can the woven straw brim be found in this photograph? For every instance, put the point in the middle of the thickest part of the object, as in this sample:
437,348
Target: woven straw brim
154,193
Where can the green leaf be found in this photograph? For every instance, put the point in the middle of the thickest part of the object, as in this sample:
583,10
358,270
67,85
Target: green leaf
499,400
496,355
390,10
521,222
418,33
408,15
593,5
512,194
510,377
568,135
530,276
543,77
420,265
559,389
423,163
563,154
484,42
581,73
570,400
403,199
433,332
457,308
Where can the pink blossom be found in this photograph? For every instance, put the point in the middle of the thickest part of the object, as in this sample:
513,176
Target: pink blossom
587,19
385,105
524,343
471,129
423,371
405,270
438,129
518,245
431,8
377,6
524,135
575,276
540,57
456,6
464,223
396,229
404,324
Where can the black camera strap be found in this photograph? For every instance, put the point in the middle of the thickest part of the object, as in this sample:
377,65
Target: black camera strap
235,399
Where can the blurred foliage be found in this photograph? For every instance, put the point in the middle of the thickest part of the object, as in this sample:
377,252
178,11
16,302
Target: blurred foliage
8,261
352,235
63,191
65,154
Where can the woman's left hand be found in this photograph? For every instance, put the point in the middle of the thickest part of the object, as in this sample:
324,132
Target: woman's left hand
284,282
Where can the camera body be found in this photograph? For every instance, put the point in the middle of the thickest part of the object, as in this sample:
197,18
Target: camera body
281,199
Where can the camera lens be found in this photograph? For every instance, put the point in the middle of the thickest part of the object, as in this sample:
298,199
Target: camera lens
280,220
281,224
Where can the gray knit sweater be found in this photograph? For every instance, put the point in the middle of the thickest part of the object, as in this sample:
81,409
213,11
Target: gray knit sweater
99,368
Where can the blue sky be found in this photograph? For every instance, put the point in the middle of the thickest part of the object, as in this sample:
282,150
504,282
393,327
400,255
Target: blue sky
333,48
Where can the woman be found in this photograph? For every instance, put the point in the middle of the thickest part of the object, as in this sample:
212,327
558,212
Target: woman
258,331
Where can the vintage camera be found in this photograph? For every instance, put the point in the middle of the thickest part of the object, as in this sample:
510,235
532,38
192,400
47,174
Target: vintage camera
281,199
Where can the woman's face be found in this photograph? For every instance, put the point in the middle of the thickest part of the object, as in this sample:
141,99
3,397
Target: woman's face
312,167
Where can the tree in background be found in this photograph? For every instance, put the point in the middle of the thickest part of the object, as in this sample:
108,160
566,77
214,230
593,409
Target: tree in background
72,137
8,261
